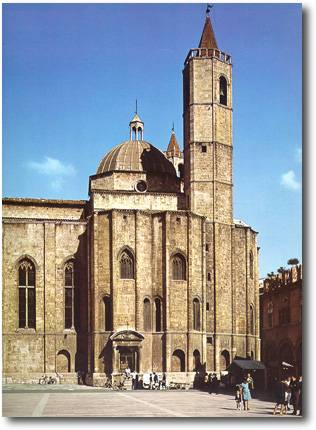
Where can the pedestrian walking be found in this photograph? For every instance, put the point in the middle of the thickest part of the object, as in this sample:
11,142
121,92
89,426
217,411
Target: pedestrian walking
300,399
279,396
210,383
156,383
238,397
133,375
150,381
163,382
288,393
295,393
251,384
215,383
246,396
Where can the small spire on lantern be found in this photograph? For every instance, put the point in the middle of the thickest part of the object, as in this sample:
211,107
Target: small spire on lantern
136,126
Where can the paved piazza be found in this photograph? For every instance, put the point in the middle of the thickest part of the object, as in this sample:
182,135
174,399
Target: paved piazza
35,401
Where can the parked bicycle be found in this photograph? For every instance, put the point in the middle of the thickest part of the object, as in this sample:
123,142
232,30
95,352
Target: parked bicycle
47,380
115,387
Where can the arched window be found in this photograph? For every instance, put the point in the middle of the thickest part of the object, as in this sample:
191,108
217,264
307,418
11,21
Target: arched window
251,264
181,170
251,320
178,268
27,312
196,315
69,295
140,133
223,91
107,313
286,353
127,265
158,314
147,315
270,314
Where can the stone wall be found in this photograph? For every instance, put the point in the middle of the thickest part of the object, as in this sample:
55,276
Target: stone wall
146,201
48,245
126,181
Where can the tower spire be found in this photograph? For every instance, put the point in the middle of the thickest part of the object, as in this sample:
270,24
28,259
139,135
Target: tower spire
173,149
208,39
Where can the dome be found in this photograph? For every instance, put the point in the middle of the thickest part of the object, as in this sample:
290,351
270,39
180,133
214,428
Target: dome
136,155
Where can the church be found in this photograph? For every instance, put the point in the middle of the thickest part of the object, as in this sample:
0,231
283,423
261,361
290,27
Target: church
151,271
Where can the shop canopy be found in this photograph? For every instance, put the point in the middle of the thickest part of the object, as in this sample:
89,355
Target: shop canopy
238,365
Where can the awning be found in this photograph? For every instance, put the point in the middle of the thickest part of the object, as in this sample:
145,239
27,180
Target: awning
238,365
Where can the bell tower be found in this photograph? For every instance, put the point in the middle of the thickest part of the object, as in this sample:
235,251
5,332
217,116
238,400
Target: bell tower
207,115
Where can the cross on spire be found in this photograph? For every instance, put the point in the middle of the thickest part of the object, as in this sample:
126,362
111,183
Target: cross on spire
208,9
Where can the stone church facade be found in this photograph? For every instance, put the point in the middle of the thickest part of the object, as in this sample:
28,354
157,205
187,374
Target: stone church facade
152,270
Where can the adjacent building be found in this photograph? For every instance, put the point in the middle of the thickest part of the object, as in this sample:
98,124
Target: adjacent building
281,301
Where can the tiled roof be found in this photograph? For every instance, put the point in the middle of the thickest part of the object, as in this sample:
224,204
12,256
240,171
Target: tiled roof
173,147
136,155
208,39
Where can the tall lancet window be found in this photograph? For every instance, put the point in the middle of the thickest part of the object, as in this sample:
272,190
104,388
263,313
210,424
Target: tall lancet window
251,266
127,265
27,312
251,320
178,268
196,315
147,315
158,314
223,91
69,295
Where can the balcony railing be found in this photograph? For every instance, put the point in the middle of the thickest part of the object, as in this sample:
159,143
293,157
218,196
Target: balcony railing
208,53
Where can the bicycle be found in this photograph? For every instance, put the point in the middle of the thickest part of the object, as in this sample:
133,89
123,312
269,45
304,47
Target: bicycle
47,380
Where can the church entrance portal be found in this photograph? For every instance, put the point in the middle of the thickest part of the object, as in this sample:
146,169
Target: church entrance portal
128,358
126,351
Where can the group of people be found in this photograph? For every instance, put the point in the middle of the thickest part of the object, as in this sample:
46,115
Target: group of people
154,381
243,393
213,383
288,391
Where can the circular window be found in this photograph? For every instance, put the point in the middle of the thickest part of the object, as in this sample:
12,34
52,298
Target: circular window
141,186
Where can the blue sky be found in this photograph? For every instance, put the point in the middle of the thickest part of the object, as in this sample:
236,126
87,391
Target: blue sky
72,72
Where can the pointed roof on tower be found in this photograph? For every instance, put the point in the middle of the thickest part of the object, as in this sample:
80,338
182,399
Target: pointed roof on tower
173,149
136,118
208,39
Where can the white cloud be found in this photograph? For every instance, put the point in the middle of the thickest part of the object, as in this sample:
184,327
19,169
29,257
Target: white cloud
55,169
52,167
289,181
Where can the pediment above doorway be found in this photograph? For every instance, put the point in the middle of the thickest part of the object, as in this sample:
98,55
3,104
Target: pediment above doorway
127,335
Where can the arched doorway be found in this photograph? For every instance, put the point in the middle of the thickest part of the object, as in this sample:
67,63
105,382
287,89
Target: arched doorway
178,361
63,362
225,360
126,350
196,360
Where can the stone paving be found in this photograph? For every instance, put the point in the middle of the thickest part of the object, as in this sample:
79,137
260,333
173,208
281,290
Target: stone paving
76,401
